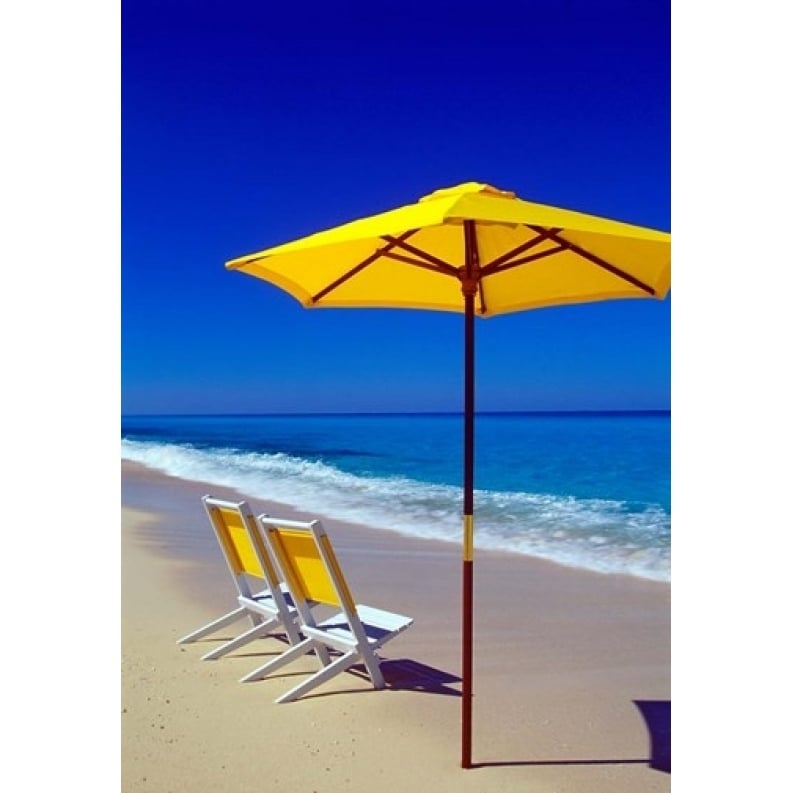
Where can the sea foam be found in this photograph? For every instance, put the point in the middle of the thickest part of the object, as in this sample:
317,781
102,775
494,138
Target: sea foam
597,534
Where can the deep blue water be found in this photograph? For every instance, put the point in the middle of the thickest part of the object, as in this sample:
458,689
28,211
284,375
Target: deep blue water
586,489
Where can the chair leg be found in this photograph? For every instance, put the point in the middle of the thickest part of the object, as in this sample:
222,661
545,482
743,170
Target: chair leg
326,673
322,654
372,663
293,632
220,622
286,657
252,633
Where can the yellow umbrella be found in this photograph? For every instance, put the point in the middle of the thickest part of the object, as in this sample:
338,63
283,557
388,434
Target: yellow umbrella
477,250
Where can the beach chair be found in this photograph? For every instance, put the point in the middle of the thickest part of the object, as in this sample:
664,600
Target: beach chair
249,561
309,565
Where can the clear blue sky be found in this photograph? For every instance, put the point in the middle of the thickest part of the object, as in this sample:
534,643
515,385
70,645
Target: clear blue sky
246,124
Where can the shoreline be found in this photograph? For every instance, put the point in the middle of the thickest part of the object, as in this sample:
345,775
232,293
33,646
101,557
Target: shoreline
566,662
575,559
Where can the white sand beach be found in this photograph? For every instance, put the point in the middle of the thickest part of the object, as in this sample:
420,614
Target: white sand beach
571,670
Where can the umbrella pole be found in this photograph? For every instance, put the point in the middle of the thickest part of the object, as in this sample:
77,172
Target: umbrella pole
468,532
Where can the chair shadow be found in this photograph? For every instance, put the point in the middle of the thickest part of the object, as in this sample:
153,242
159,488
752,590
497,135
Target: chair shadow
405,674
657,717
401,674
254,649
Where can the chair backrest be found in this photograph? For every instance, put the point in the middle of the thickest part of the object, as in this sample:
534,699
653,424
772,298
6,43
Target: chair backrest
311,571
308,561
241,542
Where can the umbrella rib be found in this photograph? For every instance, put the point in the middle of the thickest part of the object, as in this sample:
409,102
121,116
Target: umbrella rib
427,257
600,263
525,260
496,264
417,263
391,242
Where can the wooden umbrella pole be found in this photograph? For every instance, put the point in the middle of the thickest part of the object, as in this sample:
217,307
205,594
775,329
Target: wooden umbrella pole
468,532
469,288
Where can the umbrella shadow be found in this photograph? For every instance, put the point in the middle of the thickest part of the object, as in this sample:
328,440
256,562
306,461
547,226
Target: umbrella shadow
657,717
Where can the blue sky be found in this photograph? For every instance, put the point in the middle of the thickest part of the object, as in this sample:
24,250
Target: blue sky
246,124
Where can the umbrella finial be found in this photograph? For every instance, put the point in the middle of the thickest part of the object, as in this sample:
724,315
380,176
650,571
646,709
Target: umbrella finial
468,187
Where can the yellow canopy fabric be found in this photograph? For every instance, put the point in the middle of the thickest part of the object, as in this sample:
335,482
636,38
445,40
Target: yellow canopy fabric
529,255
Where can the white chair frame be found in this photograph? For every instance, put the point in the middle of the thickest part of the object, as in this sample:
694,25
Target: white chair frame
247,557
356,632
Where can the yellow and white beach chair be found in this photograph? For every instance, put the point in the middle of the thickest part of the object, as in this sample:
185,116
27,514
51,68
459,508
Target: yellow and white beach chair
312,572
250,565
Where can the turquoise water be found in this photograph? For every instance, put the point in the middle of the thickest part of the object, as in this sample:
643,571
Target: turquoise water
589,490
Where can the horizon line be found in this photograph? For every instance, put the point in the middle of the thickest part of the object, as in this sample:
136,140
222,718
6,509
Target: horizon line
357,413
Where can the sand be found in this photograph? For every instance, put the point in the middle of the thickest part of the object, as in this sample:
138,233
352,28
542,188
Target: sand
571,670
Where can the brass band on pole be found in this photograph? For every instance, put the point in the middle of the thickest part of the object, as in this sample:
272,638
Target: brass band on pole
468,538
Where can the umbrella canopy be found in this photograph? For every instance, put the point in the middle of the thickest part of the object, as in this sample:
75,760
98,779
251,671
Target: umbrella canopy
526,256
480,251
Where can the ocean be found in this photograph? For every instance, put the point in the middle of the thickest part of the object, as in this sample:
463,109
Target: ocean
589,490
